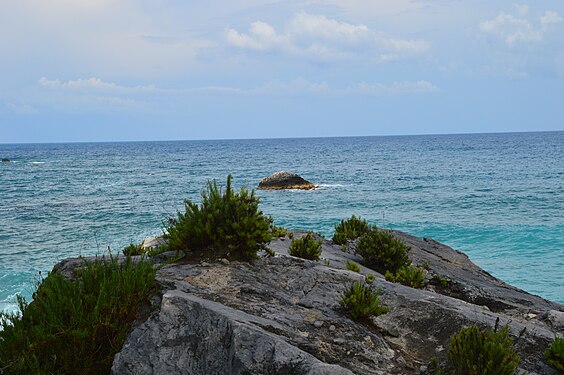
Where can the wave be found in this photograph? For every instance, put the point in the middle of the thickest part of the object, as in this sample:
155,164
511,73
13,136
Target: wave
38,162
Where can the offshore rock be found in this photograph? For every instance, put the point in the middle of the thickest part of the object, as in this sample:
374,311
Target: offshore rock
285,180
5,160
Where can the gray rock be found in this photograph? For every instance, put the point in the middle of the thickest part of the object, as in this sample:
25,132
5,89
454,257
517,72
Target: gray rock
152,242
190,335
284,180
556,319
262,317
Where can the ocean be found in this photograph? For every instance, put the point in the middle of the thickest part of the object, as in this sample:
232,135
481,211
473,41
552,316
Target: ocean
497,197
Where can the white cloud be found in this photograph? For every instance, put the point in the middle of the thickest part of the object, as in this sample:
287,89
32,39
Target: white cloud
275,87
93,83
319,37
301,86
513,30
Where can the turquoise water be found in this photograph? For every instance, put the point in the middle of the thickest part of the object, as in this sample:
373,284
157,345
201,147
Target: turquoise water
497,197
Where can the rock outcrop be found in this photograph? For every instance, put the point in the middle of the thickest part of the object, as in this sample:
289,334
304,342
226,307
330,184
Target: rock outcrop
281,315
285,180
5,160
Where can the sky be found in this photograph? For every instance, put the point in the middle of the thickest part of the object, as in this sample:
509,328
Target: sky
113,70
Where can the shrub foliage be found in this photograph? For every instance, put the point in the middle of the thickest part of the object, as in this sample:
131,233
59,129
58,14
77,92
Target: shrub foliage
474,351
77,326
555,354
352,266
382,251
349,229
306,247
361,301
228,222
133,249
409,275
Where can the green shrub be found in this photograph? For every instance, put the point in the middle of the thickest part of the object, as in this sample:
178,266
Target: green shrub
361,301
349,229
133,249
278,231
352,266
408,275
382,251
306,247
474,351
555,354
369,278
75,327
229,223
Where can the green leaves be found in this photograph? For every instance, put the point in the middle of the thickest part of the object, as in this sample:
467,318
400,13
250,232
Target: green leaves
349,229
306,247
474,351
555,354
227,223
75,326
382,251
361,301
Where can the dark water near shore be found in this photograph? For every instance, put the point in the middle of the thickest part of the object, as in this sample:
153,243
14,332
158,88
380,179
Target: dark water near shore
497,197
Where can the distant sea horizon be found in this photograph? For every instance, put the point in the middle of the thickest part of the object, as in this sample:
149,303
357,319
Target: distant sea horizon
498,197
278,138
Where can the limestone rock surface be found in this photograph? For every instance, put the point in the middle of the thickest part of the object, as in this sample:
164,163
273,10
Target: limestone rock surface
281,315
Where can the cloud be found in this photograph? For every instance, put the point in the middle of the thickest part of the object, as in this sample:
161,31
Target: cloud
94,84
298,86
319,37
514,30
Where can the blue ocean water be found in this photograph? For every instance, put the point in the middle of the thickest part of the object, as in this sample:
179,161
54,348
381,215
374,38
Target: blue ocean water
497,197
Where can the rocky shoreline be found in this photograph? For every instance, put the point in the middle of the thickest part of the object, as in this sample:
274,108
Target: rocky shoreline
281,315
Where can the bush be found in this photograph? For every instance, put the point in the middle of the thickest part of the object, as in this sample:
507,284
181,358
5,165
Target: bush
349,229
555,354
369,278
75,326
306,247
408,275
278,231
382,251
352,266
474,351
229,222
133,249
361,301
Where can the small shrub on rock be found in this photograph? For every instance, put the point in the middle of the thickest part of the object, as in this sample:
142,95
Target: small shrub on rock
475,351
410,275
369,278
352,266
226,222
382,251
278,232
361,301
133,249
555,354
349,229
306,247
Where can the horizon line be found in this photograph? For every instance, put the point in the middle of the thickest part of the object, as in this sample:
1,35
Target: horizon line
283,138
